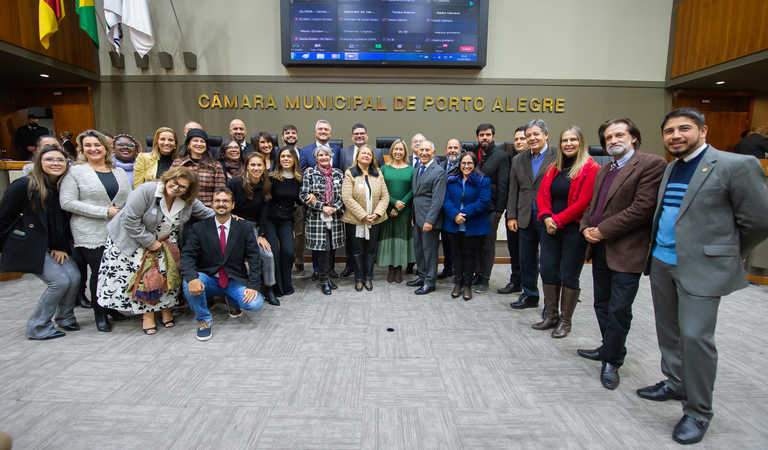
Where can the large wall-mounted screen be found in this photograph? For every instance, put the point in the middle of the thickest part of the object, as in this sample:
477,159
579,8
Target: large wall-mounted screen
415,33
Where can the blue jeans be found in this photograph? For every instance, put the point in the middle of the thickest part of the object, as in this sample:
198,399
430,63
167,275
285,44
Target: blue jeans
234,292
530,237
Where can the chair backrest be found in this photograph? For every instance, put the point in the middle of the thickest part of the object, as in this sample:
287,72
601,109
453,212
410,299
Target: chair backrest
150,141
338,142
598,155
468,145
384,143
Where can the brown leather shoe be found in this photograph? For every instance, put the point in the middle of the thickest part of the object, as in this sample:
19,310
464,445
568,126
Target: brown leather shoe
391,274
300,269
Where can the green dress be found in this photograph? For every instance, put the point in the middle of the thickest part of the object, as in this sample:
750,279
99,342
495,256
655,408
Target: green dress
396,235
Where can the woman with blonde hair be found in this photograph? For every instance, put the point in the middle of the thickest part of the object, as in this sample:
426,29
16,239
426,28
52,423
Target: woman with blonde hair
565,193
155,211
94,191
396,234
365,197
151,166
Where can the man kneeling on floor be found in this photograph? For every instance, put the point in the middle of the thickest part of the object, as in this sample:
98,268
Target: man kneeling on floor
213,263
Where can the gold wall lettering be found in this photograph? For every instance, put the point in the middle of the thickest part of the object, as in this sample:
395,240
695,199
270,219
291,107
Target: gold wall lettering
366,103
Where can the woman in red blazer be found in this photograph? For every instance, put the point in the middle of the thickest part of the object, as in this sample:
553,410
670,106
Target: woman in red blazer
565,193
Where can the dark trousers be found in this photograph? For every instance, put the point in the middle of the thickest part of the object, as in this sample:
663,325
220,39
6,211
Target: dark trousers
685,328
363,253
513,245
348,243
425,245
614,294
562,256
465,250
324,258
92,258
530,237
280,237
447,250
487,255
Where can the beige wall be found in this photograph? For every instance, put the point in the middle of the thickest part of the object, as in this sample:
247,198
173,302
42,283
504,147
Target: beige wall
543,40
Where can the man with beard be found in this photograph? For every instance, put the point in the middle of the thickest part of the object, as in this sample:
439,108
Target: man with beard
291,139
617,225
27,135
238,132
451,166
711,212
213,263
494,164
513,240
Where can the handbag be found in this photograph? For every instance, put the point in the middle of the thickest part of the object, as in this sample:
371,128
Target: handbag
148,284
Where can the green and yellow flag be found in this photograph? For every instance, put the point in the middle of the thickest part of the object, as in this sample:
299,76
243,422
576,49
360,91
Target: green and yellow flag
87,13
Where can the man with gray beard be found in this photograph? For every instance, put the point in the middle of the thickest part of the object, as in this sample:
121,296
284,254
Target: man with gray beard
617,225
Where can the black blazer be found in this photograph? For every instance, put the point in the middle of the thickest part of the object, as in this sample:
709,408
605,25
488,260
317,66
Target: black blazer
202,252
25,246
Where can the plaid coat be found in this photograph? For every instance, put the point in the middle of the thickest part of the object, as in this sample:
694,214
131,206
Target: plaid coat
314,183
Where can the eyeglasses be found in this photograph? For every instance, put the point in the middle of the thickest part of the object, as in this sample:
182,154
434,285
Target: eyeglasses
125,144
236,147
54,160
223,202
467,164
173,184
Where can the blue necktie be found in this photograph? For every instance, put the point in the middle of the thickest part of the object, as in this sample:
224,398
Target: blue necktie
421,170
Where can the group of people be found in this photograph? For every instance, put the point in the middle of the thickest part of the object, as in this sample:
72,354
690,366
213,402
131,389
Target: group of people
232,223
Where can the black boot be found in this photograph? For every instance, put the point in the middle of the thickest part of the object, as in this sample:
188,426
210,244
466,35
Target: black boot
102,322
83,301
269,296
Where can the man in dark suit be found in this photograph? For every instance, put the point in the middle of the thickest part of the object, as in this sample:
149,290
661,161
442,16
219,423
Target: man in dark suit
213,263
322,136
67,145
307,159
451,166
513,241
712,209
617,224
429,183
27,135
525,177
494,164
753,143
345,159
238,132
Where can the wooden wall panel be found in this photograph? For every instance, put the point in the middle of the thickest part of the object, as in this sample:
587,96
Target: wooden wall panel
74,118
9,121
711,32
19,25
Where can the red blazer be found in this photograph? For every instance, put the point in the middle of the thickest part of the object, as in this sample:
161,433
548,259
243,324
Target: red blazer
579,194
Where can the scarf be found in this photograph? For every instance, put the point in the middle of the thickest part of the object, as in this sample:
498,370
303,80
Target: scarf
364,230
128,167
234,168
328,194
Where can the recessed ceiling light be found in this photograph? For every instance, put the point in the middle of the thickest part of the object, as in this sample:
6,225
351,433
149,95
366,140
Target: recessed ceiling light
44,75
720,82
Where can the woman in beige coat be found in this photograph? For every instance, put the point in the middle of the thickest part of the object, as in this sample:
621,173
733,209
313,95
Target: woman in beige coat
366,198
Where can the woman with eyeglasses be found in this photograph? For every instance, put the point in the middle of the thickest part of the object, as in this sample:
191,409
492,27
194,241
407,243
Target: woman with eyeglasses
36,239
197,158
126,150
156,210
151,166
251,193
467,197
565,193
231,158
94,190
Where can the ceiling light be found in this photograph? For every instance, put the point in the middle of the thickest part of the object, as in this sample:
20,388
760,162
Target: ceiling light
44,75
720,82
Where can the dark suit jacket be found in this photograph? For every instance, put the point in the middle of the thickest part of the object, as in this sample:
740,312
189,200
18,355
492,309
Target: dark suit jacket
454,171
347,157
428,196
722,217
628,211
524,186
495,165
307,158
202,252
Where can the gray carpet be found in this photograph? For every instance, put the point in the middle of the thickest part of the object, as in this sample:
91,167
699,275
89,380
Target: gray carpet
324,372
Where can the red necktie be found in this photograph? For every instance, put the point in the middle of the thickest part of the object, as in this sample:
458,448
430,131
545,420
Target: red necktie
223,277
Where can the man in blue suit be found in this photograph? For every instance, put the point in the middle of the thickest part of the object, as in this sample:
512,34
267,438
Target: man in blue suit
323,135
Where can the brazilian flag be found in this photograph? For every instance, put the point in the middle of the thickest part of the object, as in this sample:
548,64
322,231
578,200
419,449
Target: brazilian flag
87,13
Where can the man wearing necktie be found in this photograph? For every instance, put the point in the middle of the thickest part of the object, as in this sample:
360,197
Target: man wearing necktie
213,263
428,194
617,225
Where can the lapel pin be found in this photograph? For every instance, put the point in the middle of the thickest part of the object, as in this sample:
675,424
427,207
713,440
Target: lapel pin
704,169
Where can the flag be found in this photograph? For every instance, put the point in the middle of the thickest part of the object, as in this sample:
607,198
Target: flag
135,15
87,13
51,13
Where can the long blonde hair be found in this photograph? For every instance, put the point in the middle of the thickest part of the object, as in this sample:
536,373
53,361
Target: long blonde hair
108,157
156,146
581,157
373,163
